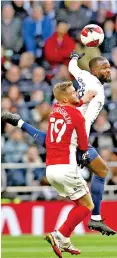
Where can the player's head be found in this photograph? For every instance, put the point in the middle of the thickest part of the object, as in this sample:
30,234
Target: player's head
65,93
100,67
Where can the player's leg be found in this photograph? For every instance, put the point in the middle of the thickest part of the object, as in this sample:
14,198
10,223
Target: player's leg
99,168
55,176
15,120
71,184
83,207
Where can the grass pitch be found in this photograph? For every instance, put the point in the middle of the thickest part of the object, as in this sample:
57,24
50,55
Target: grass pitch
96,246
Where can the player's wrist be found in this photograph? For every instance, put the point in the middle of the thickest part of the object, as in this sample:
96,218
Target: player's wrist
20,123
75,58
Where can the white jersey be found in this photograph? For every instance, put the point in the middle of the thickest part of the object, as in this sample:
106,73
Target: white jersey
87,81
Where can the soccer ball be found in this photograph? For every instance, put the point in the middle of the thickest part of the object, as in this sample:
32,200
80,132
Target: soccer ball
92,35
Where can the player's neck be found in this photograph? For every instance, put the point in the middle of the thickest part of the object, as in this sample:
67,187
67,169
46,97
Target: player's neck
101,80
65,104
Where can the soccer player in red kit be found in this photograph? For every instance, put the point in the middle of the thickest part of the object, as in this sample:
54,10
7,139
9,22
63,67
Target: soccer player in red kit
66,131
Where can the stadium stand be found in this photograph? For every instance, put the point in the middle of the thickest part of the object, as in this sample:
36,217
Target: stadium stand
30,68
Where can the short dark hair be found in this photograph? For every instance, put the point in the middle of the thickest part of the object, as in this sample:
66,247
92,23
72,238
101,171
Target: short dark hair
93,62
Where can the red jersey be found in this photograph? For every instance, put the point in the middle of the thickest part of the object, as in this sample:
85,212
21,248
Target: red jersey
66,131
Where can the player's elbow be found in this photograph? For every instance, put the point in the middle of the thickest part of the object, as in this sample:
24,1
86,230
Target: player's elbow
70,67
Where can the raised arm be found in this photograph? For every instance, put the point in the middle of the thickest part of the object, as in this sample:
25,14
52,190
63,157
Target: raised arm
73,66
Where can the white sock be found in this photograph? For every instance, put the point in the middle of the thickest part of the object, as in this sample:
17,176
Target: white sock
96,217
63,238
20,123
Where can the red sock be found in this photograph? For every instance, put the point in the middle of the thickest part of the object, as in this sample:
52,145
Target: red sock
75,216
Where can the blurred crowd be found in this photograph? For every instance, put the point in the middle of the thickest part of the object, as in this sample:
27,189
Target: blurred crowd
37,38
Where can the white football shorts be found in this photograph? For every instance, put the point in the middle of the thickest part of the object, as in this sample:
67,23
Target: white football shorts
67,180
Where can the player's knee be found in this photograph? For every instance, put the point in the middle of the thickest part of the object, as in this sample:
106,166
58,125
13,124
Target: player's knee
90,206
104,171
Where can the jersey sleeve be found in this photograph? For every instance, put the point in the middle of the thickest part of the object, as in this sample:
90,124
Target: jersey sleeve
92,112
74,69
80,103
79,125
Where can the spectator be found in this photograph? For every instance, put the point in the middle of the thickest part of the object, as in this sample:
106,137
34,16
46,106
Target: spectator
41,112
110,39
111,108
20,12
37,176
39,83
34,176
6,104
103,135
43,126
12,77
74,14
8,130
49,10
15,147
37,97
17,101
36,30
26,65
61,75
11,30
116,22
114,83
105,154
113,175
29,4
100,16
59,46
114,57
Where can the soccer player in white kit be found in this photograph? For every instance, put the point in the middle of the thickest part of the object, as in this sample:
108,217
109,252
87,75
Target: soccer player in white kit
99,74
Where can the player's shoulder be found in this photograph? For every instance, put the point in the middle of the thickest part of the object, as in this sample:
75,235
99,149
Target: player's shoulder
74,112
92,81
88,74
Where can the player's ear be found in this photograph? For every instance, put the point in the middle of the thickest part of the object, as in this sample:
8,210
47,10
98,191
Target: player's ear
93,70
65,100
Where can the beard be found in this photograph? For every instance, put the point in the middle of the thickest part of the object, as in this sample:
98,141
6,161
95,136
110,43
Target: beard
103,80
